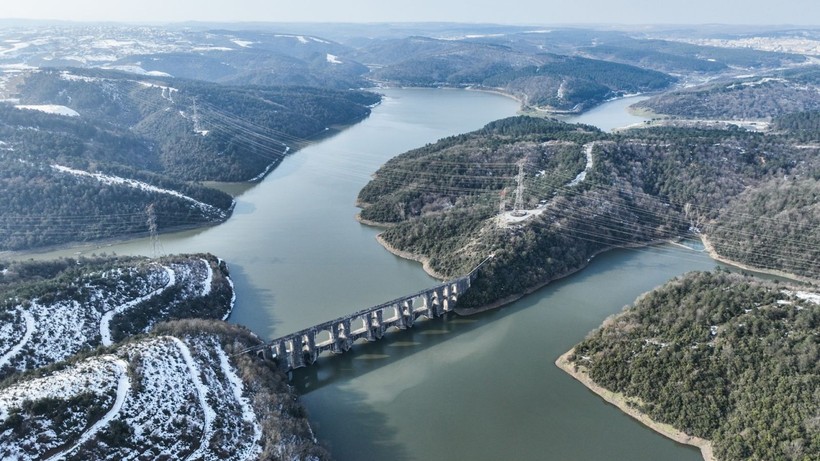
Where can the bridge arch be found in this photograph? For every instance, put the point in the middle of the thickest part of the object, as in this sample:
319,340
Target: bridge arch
303,348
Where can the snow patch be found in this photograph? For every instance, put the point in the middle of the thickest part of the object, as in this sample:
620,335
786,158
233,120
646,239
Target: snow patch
583,175
211,48
30,327
50,109
63,384
333,59
202,395
248,414
302,39
758,82
66,75
105,321
243,43
167,91
15,47
813,298
133,69
269,167
209,278
133,183
123,387
16,68
112,43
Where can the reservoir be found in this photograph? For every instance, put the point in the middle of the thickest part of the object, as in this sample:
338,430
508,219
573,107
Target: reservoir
478,388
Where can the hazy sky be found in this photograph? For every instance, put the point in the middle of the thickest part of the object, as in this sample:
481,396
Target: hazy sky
496,11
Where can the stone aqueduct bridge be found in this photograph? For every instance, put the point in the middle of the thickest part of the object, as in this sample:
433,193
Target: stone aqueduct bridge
302,348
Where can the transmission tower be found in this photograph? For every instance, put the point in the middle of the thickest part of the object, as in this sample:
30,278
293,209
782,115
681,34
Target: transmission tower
195,117
156,245
518,208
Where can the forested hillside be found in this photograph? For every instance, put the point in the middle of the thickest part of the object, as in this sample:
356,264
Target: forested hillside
199,131
451,203
759,97
774,226
234,57
804,126
52,195
646,50
53,310
89,154
722,357
185,390
540,80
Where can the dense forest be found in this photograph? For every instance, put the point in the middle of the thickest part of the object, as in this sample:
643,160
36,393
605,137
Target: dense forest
450,203
130,162
776,226
48,198
760,97
563,69
728,358
802,125
199,130
539,80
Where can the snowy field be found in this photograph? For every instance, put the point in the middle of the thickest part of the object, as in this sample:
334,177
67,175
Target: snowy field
54,326
164,398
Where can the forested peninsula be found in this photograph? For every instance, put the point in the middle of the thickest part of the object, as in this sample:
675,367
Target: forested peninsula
759,97
725,358
457,201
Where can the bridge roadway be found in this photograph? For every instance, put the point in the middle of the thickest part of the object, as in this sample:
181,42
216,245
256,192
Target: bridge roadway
302,348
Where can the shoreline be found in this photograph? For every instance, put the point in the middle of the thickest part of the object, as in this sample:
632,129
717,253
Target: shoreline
425,262
89,248
621,401
515,297
710,250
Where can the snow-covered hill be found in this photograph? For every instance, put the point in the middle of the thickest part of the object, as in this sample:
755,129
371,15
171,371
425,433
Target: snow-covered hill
49,322
185,392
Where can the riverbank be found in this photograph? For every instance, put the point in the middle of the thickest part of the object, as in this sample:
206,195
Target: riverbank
425,262
625,404
98,247
710,250
513,298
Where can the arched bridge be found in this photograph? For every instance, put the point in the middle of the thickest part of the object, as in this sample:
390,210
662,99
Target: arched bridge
302,348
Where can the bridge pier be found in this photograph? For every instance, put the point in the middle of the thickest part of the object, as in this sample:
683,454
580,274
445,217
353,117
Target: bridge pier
376,330
296,358
300,349
310,345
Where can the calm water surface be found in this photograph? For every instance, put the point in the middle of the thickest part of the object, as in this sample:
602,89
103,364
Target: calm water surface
479,388
613,114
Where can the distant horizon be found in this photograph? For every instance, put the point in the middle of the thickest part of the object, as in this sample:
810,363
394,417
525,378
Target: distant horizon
799,13
409,23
